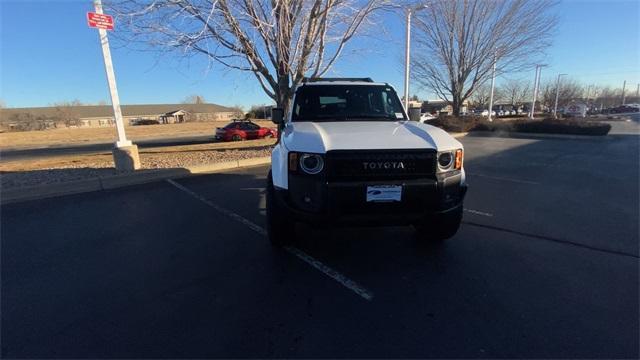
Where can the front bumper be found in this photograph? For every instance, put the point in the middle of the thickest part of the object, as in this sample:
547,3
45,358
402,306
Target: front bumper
313,201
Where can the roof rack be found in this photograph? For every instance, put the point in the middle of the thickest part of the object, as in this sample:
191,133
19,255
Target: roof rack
317,79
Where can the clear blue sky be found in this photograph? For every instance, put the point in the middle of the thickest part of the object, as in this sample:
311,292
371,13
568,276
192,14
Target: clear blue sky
48,54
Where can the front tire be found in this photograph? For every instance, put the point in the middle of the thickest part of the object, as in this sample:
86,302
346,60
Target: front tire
279,231
439,227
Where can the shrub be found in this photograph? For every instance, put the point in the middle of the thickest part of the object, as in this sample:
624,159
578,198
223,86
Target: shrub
546,126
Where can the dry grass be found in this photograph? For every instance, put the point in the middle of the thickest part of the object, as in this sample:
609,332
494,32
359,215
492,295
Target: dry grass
106,160
53,137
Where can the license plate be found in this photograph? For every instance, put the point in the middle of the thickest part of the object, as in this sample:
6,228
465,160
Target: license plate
384,193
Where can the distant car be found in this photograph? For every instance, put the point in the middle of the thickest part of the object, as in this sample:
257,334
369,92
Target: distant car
239,130
625,109
426,117
486,113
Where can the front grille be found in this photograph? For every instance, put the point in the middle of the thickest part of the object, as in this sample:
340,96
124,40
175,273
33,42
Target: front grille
361,165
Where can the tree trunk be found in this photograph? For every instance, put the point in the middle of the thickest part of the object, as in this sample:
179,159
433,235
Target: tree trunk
455,104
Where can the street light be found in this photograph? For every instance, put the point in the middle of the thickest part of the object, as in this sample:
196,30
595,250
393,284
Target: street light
536,84
410,12
555,108
493,83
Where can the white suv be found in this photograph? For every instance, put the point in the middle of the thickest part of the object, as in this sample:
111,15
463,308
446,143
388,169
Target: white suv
348,154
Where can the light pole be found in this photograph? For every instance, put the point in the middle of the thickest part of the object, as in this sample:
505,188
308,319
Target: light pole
535,90
407,53
493,83
555,108
624,85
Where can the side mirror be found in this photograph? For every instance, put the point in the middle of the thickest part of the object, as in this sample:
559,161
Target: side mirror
414,114
277,116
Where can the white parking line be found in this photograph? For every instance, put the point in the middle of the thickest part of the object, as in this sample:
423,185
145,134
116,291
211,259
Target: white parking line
476,212
505,179
317,264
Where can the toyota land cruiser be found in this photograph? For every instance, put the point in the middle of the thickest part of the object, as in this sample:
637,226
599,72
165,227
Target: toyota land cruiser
349,154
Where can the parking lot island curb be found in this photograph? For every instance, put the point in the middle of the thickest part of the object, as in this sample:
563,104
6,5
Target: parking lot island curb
27,193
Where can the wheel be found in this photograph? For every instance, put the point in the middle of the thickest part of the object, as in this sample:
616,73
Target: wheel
279,231
236,137
440,227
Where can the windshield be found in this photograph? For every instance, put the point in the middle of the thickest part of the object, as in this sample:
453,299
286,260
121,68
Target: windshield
347,103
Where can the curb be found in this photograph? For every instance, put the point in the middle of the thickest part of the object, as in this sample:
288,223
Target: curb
116,181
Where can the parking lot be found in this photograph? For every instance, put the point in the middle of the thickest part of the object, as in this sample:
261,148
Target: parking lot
544,265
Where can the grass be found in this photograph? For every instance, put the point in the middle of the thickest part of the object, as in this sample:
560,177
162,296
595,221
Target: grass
88,160
80,136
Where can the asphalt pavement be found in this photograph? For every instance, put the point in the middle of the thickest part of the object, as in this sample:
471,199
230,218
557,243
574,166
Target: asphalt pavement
545,265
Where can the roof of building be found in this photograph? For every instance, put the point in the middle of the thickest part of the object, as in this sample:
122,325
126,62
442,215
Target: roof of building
107,111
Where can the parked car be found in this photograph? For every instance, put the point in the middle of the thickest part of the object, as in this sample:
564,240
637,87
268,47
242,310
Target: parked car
424,117
348,154
486,113
244,130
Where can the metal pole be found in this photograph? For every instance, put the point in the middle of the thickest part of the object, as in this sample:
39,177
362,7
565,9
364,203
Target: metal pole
406,62
624,84
555,108
111,79
493,83
535,93
638,92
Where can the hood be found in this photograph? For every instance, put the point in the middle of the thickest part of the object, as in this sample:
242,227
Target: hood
320,137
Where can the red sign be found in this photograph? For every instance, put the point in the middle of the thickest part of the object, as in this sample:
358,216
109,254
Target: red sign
100,21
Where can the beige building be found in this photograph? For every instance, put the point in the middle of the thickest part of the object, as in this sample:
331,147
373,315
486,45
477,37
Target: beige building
102,115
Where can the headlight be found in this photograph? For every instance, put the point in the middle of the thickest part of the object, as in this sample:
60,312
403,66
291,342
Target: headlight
311,163
450,160
445,160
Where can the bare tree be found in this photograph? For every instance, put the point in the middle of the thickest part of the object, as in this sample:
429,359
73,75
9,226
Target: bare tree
65,112
515,91
194,99
238,111
570,90
278,41
458,40
480,97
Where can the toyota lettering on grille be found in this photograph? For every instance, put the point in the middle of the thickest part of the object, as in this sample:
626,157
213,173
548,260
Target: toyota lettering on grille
386,165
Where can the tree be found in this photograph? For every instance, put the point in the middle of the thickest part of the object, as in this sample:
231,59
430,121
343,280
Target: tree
480,97
515,91
238,111
457,41
194,99
570,89
278,41
65,112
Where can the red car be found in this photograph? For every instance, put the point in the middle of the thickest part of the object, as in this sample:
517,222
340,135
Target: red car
244,130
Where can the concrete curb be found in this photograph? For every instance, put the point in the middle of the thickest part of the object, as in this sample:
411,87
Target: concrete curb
116,181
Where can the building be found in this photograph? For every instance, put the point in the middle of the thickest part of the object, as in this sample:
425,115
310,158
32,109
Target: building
39,118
